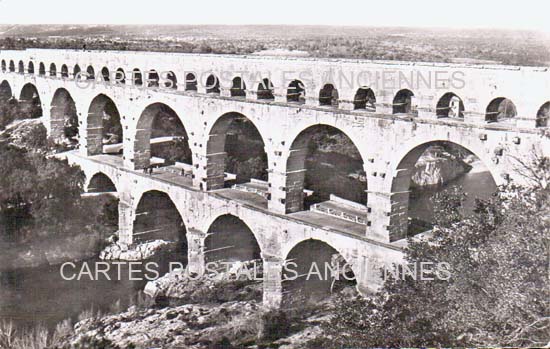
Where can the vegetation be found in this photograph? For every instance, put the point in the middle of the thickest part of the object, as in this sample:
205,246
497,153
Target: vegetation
497,294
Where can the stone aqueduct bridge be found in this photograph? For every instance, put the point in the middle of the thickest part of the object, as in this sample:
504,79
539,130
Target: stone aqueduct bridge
389,139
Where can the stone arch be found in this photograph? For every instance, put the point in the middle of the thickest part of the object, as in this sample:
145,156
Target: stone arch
137,77
53,70
238,87
190,82
157,217
29,102
64,71
99,182
153,78
230,239
450,105
103,126
212,84
328,179
90,73
76,71
4,67
151,124
120,76
105,74
400,225
500,108
21,67
296,92
300,280
63,116
365,99
12,66
223,151
265,90
30,67
171,81
402,102
543,114
41,69
5,91
328,96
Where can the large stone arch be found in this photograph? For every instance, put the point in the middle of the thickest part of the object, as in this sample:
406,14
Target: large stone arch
296,162
5,91
157,216
63,116
95,124
29,102
144,128
102,180
300,282
231,239
216,146
402,170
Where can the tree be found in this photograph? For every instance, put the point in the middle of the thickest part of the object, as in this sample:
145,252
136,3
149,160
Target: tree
497,294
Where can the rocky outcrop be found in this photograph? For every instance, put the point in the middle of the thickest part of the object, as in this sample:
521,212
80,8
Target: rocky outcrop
117,251
437,168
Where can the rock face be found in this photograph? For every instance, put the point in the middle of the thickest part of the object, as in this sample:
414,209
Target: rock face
140,252
438,167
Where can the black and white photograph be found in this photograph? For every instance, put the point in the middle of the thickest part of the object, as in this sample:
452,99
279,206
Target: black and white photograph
274,174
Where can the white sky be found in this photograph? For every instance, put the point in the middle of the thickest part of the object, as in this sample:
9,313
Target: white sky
524,14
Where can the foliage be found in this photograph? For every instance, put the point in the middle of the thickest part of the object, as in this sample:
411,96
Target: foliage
497,294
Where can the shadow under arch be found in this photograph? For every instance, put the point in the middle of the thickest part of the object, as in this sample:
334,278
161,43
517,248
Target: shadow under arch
63,117
103,127
313,164
29,102
235,145
430,153
161,134
157,218
313,270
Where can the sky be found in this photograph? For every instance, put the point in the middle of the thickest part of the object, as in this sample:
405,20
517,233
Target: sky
525,14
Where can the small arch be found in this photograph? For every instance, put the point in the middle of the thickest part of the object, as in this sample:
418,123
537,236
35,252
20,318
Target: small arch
30,67
120,76
238,87
53,70
30,105
4,67
230,239
171,81
190,82
402,102
317,270
543,115
90,73
157,218
265,90
21,67
137,77
499,109
12,66
105,74
296,92
101,183
152,78
41,69
365,99
76,71
212,84
450,105
64,71
328,95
